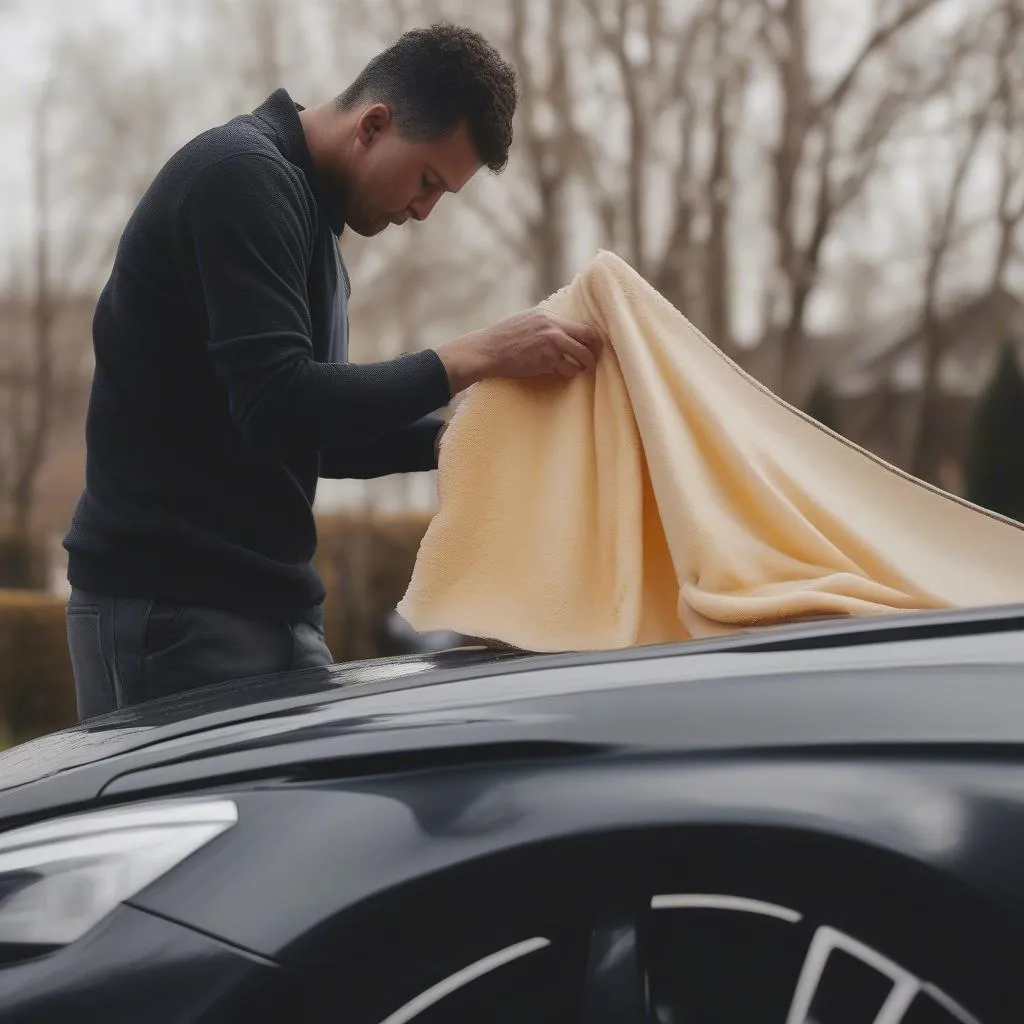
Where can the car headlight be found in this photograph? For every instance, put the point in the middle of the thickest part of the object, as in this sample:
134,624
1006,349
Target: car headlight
60,878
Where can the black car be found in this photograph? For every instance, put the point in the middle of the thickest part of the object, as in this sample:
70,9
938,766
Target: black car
818,823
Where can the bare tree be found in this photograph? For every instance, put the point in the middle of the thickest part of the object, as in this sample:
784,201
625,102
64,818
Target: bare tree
613,113
527,214
1009,105
720,188
653,48
549,137
614,27
943,241
98,133
994,109
32,419
809,147
564,155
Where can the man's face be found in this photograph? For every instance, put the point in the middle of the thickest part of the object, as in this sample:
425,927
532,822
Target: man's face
393,179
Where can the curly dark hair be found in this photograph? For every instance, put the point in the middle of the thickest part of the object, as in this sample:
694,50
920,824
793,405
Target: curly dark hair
437,77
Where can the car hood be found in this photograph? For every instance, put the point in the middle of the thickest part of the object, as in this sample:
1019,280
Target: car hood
237,704
943,677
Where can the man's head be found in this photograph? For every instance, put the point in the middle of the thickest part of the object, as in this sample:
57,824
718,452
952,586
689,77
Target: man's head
421,119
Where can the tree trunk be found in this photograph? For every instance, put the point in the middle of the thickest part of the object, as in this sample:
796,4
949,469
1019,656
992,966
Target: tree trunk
545,153
636,180
923,457
41,395
719,272
794,81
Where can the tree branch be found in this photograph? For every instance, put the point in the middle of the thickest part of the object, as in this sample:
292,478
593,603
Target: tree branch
878,39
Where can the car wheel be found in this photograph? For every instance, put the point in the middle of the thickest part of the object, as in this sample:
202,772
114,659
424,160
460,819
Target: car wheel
803,931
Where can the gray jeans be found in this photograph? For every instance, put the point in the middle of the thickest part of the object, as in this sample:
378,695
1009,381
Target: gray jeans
128,650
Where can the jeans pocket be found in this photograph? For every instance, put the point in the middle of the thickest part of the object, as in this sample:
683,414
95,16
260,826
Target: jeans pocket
204,646
162,628
165,656
94,687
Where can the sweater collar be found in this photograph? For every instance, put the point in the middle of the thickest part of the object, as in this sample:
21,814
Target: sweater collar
281,113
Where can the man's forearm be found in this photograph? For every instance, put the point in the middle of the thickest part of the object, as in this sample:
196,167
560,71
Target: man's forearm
410,450
321,401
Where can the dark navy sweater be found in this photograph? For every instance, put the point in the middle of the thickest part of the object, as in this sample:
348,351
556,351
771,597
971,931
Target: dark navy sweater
221,391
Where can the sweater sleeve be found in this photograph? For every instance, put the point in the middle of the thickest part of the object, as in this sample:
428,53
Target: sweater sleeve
409,450
250,228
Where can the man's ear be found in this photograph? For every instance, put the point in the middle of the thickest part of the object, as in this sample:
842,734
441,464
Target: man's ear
372,123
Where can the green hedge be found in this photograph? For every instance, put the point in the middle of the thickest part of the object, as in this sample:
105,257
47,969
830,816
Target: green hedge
37,690
366,562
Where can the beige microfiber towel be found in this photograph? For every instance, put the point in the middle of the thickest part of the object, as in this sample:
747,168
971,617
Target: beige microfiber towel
670,496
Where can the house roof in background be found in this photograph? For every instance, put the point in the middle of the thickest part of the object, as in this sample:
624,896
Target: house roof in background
858,360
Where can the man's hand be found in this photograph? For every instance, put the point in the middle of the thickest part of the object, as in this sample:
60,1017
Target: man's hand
525,345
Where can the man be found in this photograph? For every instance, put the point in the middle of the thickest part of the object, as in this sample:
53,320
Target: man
222,391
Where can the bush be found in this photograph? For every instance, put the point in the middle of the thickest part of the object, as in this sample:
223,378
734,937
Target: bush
994,461
37,690
366,562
